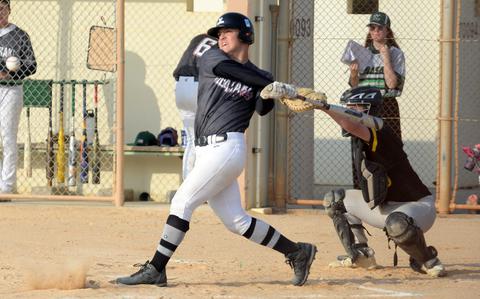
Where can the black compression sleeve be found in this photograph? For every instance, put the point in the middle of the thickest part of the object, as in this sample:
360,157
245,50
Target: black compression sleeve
263,106
236,71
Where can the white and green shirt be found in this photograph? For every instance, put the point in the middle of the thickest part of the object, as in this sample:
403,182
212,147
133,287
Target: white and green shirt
373,74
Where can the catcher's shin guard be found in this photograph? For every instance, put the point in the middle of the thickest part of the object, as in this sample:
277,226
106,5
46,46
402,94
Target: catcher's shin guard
401,229
333,202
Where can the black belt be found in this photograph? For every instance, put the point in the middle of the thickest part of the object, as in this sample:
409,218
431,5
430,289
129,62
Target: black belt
210,139
194,78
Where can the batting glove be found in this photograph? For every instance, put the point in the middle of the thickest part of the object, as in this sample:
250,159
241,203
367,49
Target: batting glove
278,90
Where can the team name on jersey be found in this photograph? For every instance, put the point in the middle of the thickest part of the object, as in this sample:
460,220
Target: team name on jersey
6,52
230,86
374,70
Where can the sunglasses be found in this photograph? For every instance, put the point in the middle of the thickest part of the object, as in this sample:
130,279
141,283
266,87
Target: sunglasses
376,27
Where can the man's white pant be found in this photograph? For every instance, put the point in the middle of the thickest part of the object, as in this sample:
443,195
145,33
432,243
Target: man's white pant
11,103
186,90
422,211
213,179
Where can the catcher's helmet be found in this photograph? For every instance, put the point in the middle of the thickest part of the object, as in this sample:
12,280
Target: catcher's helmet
369,97
236,21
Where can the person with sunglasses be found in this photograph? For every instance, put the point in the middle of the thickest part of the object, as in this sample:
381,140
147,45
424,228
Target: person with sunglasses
386,70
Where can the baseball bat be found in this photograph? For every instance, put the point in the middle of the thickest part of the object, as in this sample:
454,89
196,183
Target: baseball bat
27,156
96,143
61,140
50,163
84,143
354,115
72,159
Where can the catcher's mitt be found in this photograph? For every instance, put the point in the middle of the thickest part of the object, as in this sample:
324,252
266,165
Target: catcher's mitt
308,99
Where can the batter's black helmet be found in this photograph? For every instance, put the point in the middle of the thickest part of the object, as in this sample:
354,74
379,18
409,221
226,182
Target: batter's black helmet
369,97
236,21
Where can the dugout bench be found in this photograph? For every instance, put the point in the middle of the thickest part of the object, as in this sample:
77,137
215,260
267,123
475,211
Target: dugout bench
153,150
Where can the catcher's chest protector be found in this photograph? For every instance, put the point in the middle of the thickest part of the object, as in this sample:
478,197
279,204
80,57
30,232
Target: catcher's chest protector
372,176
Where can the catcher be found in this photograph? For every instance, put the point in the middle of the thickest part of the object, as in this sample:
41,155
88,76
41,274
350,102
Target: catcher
392,196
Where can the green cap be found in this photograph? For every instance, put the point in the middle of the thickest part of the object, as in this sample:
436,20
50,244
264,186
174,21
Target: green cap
379,19
145,138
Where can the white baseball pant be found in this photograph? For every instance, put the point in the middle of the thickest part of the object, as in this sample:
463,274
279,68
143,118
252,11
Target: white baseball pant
11,103
213,179
186,90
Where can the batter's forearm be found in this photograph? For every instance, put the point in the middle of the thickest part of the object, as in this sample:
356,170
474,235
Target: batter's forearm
235,71
263,106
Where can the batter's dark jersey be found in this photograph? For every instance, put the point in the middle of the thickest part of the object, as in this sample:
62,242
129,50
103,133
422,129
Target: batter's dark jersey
225,104
187,66
16,42
387,149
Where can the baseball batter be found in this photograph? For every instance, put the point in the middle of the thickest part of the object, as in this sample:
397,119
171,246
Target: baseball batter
392,196
186,90
229,85
13,42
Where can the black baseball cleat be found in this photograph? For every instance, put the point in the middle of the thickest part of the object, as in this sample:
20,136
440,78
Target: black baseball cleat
146,275
300,261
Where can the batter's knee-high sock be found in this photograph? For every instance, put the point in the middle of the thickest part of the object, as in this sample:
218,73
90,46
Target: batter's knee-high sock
264,234
173,233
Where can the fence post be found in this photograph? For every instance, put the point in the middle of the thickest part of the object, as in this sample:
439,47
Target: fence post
119,133
446,83
281,115
274,14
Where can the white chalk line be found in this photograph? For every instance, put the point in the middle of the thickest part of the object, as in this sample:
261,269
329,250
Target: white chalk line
389,293
185,261
381,293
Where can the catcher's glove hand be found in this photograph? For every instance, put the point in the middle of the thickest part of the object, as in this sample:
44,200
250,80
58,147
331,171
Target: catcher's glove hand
306,99
278,90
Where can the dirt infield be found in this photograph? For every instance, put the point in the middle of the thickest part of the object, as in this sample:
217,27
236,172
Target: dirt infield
58,250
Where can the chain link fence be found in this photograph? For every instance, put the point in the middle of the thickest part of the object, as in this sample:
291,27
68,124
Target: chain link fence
320,32
156,35
465,106
71,62
49,139
73,47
